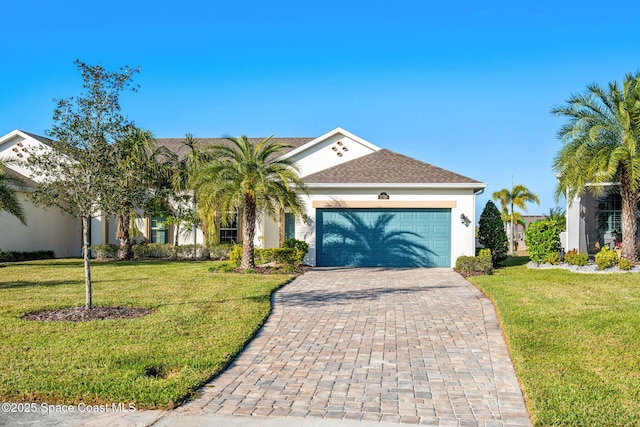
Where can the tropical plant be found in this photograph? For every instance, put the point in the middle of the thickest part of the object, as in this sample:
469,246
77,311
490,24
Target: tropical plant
77,172
8,200
248,177
517,196
491,232
600,145
558,215
606,258
141,182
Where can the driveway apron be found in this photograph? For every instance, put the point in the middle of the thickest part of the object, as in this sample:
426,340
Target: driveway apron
419,346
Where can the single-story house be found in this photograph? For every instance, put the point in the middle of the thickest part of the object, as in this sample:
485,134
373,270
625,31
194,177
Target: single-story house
594,221
368,206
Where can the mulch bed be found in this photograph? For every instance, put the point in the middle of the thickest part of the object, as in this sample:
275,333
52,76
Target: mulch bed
81,314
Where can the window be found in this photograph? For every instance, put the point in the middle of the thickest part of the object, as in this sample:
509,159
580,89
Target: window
229,231
610,213
289,226
159,230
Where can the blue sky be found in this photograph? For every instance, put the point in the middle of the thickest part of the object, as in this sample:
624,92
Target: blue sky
466,86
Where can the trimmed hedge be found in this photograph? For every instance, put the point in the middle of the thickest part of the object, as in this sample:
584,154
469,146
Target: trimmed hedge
106,251
474,266
16,256
574,257
542,239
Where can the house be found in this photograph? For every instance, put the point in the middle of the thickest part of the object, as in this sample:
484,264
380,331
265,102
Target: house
368,206
594,221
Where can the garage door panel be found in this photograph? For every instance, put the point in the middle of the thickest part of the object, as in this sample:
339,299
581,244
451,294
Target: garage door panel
384,237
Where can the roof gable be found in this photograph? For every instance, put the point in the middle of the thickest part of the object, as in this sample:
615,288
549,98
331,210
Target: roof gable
388,167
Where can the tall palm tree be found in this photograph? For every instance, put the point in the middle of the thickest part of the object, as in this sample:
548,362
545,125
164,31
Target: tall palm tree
8,200
251,178
601,143
518,196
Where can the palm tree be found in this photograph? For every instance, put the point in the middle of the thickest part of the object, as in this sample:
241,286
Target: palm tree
251,178
8,200
558,215
519,195
140,179
600,145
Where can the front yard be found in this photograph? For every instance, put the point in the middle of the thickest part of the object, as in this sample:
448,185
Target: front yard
200,321
575,343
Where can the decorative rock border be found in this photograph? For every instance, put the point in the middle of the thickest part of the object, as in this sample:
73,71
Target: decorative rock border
588,269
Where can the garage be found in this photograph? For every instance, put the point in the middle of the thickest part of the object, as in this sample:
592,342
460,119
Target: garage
389,237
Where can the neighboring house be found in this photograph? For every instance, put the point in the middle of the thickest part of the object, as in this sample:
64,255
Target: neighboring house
520,229
594,221
368,206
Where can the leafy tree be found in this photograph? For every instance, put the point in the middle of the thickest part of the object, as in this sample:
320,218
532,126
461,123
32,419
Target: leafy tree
600,144
517,196
248,177
491,232
141,181
78,172
8,200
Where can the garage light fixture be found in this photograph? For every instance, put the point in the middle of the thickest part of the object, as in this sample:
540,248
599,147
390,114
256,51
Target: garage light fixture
465,220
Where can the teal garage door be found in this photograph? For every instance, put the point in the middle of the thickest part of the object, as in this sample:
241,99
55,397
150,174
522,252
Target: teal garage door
383,237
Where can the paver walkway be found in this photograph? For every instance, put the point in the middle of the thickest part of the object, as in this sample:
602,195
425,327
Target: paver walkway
419,346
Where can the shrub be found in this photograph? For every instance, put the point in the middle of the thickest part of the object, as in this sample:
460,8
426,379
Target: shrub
542,239
606,258
188,252
235,255
624,264
151,250
484,253
473,266
15,256
285,256
300,246
491,232
574,257
106,251
553,258
220,251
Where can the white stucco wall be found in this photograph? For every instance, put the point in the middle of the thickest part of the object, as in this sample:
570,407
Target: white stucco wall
48,229
575,236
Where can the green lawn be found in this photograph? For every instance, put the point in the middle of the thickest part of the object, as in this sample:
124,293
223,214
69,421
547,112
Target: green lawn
575,343
201,320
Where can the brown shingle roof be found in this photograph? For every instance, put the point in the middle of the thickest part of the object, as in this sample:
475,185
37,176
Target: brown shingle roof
175,144
385,167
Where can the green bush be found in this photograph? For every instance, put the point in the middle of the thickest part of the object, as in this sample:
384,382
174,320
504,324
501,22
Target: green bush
235,255
220,251
106,251
473,266
151,250
188,252
16,256
574,257
300,246
624,264
553,258
285,256
542,239
484,253
491,232
606,258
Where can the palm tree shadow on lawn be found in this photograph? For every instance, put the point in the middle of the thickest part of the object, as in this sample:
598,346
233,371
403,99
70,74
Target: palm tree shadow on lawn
360,244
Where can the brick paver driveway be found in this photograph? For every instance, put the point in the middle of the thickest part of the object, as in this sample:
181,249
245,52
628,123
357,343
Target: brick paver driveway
418,346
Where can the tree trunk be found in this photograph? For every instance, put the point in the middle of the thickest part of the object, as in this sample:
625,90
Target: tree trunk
124,253
248,232
629,222
86,252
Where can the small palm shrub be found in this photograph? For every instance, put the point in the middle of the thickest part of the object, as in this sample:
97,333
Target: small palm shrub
606,258
574,257
624,264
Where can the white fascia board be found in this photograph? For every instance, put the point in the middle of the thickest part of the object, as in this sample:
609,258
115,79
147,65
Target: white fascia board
327,135
475,186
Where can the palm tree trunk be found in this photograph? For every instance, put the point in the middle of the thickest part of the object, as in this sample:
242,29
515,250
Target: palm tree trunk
124,253
248,232
86,252
629,222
